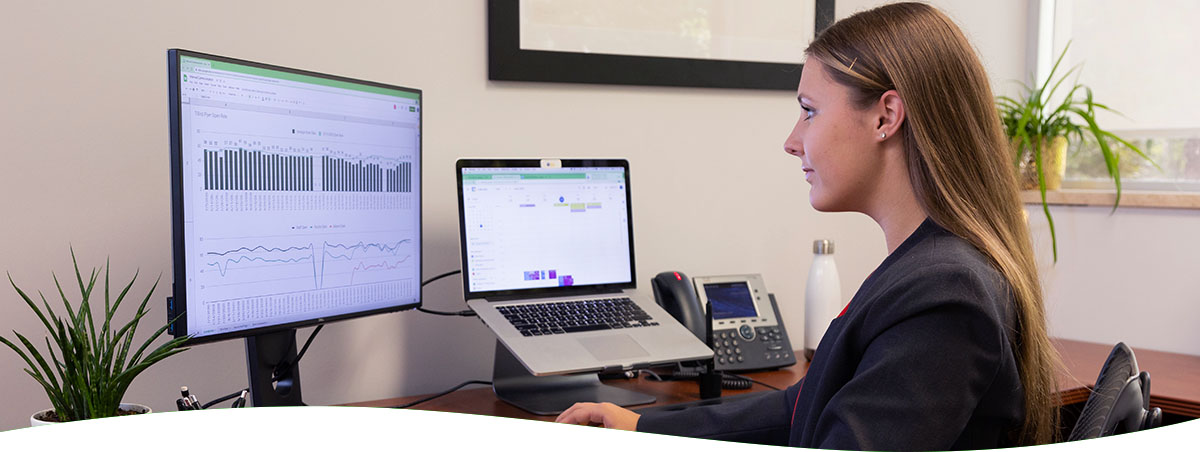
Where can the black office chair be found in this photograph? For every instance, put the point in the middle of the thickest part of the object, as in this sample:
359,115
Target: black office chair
1120,401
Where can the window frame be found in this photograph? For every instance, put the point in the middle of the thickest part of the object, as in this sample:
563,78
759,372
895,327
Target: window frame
1085,192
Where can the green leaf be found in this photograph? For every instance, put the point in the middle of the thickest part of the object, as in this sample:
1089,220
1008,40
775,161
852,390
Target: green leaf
107,305
66,302
19,352
1131,147
1110,158
126,339
57,364
110,312
138,317
32,306
110,342
85,307
126,377
154,336
57,403
42,368
1054,68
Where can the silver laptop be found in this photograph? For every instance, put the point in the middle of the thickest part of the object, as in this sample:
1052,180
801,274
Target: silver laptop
547,251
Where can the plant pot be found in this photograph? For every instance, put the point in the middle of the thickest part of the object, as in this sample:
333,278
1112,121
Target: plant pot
36,419
1054,164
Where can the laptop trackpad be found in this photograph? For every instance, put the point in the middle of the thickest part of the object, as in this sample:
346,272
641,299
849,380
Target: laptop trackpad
613,347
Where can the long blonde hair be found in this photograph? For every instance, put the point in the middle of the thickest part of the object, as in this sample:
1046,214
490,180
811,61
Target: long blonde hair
958,161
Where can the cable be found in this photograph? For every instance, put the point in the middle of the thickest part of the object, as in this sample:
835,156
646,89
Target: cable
222,399
728,380
443,275
308,342
683,374
471,382
465,313
283,369
652,374
750,380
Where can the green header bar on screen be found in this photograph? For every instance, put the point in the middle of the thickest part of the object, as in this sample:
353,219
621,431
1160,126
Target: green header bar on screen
525,176
250,70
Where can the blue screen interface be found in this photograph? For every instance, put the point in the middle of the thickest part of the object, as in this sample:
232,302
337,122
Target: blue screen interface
730,300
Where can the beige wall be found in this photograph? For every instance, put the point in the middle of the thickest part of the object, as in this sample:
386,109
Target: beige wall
83,116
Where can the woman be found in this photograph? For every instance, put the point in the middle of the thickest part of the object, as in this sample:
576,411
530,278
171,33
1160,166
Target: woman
944,346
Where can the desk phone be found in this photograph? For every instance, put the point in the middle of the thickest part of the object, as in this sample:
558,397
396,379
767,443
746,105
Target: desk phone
747,332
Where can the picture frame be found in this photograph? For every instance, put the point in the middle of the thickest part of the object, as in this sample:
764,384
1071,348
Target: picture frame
507,61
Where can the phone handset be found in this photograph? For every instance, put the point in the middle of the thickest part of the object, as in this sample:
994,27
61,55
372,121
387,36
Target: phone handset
673,291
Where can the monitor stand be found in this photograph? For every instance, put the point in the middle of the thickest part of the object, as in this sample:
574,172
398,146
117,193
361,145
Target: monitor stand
553,394
274,372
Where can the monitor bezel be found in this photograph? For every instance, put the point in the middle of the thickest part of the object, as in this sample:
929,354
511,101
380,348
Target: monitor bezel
177,305
501,295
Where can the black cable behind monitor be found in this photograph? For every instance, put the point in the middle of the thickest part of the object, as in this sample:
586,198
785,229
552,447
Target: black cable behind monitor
443,275
464,313
460,386
221,399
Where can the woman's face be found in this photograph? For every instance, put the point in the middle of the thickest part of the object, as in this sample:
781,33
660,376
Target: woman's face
836,143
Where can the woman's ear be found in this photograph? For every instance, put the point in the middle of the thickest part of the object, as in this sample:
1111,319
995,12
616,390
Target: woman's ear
890,109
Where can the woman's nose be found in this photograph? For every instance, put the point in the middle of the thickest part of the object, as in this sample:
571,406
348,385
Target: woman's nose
794,144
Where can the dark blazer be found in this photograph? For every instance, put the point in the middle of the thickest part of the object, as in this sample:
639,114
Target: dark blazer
921,359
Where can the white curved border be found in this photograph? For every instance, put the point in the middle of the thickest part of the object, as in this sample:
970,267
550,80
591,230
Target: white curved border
337,428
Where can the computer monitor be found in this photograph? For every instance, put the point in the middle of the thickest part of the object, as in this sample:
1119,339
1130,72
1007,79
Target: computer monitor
295,201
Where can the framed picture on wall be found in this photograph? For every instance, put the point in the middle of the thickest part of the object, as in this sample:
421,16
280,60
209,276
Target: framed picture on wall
703,43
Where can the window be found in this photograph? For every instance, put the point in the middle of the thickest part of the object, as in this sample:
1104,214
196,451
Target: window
1139,58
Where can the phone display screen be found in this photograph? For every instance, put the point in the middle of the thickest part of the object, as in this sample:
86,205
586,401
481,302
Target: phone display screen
730,300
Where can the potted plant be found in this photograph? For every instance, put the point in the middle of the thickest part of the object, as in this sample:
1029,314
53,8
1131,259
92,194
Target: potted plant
88,375
1039,131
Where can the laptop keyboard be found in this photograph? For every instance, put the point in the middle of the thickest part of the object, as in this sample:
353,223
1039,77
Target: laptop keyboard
576,316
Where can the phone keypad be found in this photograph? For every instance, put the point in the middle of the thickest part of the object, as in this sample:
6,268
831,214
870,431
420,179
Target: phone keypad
773,339
728,347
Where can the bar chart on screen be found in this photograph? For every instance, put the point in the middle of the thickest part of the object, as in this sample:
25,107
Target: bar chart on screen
242,174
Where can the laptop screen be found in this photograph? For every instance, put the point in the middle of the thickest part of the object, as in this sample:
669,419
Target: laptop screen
528,230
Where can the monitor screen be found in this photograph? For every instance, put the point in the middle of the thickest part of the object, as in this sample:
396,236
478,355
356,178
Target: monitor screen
730,300
528,228
296,196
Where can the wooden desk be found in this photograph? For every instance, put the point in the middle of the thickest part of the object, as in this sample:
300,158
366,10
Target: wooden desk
482,400
1175,384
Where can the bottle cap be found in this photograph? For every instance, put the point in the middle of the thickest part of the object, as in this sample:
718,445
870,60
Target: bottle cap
822,246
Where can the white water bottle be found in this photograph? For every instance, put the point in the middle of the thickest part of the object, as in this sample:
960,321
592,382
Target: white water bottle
822,296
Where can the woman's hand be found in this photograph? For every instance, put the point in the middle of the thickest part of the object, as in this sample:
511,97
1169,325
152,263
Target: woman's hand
603,414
